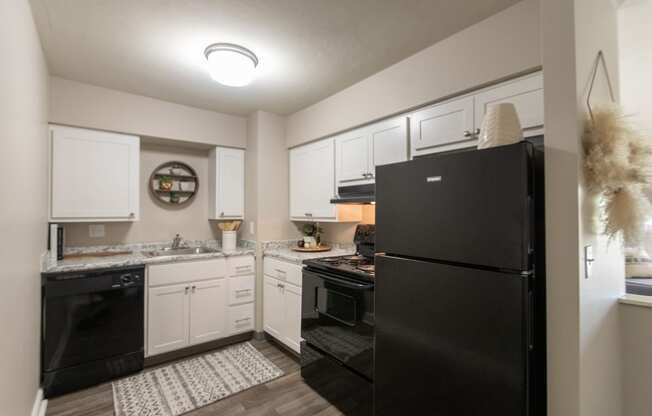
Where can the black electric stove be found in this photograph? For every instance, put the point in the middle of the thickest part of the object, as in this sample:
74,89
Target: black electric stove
337,326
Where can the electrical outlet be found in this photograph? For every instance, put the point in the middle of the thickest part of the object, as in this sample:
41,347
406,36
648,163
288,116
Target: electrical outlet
588,261
96,230
252,228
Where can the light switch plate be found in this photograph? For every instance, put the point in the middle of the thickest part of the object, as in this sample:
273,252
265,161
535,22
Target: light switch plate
96,230
588,261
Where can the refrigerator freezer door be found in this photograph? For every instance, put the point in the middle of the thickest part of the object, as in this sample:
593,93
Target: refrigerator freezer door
468,207
449,340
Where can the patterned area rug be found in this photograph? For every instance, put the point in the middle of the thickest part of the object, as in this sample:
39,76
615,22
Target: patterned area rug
187,385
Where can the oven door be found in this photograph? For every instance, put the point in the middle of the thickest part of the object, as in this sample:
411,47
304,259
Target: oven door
338,319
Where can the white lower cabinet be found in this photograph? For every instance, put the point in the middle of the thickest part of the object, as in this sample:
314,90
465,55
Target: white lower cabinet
241,318
273,308
168,318
292,333
194,302
282,305
207,320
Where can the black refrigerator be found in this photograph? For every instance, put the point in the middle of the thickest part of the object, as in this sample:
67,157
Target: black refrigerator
460,284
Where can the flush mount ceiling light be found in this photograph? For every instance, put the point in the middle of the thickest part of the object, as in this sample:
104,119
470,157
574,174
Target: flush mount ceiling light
231,64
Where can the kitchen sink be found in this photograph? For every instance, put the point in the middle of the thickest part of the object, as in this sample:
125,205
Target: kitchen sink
169,251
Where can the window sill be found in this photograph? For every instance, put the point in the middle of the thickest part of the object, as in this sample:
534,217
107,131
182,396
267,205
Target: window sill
636,300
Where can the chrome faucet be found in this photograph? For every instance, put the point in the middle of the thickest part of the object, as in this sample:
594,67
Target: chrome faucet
176,242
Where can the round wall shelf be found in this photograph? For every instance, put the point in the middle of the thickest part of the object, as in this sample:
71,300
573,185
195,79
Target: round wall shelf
174,183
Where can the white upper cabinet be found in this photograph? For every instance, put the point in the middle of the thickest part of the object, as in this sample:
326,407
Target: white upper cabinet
442,127
527,96
456,123
389,142
226,183
94,175
312,182
359,151
352,150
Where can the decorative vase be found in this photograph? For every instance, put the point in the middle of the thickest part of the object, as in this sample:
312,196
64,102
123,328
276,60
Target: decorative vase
500,126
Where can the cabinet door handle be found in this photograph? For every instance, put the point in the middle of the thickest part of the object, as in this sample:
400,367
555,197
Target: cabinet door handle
308,214
187,289
132,214
476,132
237,321
467,133
280,285
243,290
194,288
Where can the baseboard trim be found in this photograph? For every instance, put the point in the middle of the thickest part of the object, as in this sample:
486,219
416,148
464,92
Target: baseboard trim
40,404
155,360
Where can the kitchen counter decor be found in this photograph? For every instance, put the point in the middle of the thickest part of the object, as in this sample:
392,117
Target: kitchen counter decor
174,183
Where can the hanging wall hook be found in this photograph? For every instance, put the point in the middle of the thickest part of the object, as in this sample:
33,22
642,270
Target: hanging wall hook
599,61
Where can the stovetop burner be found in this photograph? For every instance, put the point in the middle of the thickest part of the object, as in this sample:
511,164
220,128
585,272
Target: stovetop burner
357,264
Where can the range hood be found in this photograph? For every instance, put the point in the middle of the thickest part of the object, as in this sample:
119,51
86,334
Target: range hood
355,194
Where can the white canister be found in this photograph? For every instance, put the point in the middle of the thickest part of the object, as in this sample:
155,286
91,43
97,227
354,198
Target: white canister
500,126
229,239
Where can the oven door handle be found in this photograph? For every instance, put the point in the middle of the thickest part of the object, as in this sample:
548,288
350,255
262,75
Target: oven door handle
351,324
344,282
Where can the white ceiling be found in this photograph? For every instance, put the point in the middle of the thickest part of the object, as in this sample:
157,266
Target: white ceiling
308,49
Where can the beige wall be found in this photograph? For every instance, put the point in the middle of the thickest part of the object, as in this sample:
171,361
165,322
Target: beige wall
23,135
635,44
343,232
636,335
596,28
267,190
584,367
83,105
502,45
158,222
636,61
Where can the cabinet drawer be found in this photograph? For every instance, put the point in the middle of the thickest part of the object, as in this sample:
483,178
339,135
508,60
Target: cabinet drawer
282,270
171,273
241,318
240,265
241,289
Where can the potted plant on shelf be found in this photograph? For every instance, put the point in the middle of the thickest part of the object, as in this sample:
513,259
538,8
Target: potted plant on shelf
312,234
165,183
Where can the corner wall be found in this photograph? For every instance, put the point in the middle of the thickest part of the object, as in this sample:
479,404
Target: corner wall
267,190
584,365
83,105
23,134
502,45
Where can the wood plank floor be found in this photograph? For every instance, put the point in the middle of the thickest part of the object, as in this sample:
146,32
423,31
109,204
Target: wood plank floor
285,396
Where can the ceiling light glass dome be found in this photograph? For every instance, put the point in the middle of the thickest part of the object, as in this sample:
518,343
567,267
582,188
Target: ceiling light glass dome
231,64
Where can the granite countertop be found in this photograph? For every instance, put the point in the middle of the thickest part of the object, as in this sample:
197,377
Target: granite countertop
282,250
136,257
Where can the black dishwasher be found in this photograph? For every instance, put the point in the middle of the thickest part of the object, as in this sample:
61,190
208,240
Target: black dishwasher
92,327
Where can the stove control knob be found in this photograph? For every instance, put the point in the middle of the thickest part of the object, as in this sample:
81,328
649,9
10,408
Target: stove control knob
126,279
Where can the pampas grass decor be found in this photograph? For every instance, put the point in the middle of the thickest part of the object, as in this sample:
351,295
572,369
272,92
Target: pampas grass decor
618,165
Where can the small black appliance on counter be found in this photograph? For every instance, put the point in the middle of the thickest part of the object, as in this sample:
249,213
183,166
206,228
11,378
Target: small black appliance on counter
92,327
337,326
